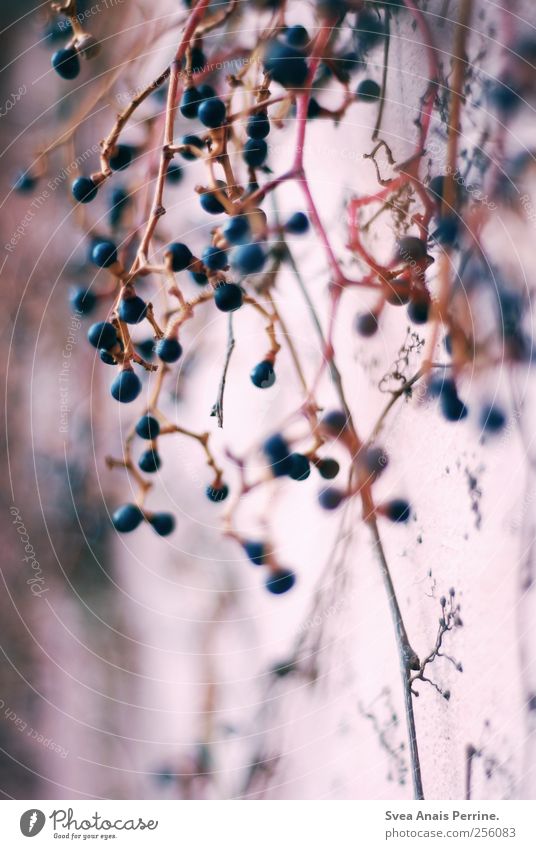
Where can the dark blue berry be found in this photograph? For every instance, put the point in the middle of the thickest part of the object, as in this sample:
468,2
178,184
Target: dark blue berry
504,96
298,223
198,59
163,523
236,230
212,112
286,64
313,108
122,157
174,173
249,258
300,467
228,297
127,518
206,91
145,348
277,453
447,342
258,125
263,374
375,460
410,249
192,141
102,335
217,493
368,90
369,30
84,189
150,461
330,498
126,387
66,63
199,277
280,581
418,311
82,300
452,406
132,310
181,256
397,510
446,231
255,551
147,427
366,323
210,202
328,468
106,357
119,200
214,258
169,350
104,253
297,36
189,104
335,421
492,419
255,152
25,182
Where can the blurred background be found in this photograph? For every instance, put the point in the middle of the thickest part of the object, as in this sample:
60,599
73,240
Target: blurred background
140,667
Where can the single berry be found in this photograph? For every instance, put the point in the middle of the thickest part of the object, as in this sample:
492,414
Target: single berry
199,277
330,498
122,157
335,421
280,581
147,427
328,468
181,256
369,30
169,350
210,202
82,300
150,461
504,96
236,230
84,189
132,310
397,510
25,182
277,452
300,467
492,418
286,64
258,125
126,387
452,406
249,258
174,173
297,36
228,297
119,200
446,231
418,311
375,460
145,348
127,518
298,223
214,258
368,90
263,374
189,104
106,357
192,141
255,551
206,91
255,152
66,63
212,112
102,335
104,253
163,523
217,493
366,323
410,249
